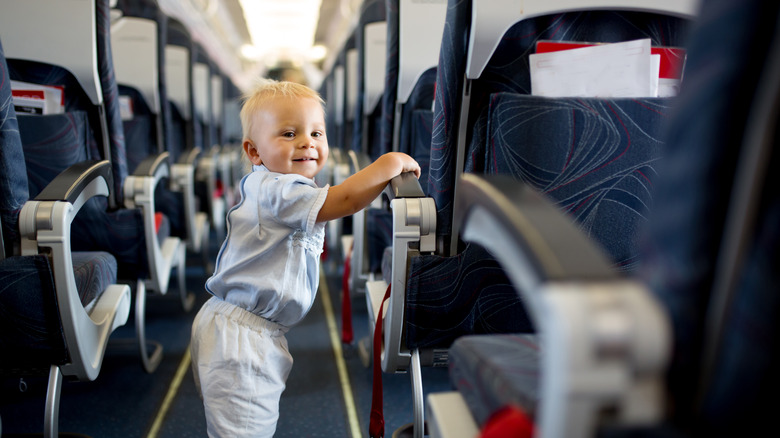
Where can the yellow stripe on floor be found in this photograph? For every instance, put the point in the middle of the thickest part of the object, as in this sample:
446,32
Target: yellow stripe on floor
172,390
335,341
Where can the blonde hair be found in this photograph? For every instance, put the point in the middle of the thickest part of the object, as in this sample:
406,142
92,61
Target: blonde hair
267,90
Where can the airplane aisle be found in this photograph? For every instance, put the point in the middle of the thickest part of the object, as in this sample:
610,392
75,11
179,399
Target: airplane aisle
126,402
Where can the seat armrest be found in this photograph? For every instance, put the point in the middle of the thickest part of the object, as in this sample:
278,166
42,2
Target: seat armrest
358,161
183,181
605,340
405,185
190,157
139,193
71,183
154,166
44,226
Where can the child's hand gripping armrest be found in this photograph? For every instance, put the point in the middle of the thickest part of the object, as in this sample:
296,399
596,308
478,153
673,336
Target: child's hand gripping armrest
357,191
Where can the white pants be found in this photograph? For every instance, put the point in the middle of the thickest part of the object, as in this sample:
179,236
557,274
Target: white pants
240,363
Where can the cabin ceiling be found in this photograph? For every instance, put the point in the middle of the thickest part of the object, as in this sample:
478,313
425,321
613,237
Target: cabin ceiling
231,38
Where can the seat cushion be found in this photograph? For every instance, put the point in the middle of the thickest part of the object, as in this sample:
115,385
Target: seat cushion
493,371
94,272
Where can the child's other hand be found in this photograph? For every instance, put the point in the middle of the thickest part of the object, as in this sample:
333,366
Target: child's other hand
405,162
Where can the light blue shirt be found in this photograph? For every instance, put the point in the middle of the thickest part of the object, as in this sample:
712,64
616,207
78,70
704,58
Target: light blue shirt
269,262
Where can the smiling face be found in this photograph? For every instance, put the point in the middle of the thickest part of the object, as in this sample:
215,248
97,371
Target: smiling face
287,135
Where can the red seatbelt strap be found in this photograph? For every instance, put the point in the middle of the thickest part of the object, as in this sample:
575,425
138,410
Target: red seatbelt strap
346,304
508,422
376,425
158,218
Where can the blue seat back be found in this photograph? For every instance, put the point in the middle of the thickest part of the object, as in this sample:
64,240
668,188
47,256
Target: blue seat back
204,126
158,131
182,132
13,182
508,71
708,134
366,124
486,302
31,333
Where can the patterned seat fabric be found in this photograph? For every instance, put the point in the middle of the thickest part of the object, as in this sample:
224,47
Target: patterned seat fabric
31,336
594,157
450,297
495,371
705,135
507,71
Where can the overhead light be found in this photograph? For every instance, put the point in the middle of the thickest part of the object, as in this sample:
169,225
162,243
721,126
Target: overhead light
281,26
317,53
249,51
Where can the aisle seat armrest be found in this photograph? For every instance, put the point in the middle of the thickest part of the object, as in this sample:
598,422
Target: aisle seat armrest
604,339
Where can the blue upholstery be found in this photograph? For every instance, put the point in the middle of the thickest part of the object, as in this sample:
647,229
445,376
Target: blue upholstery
705,135
140,130
181,132
704,140
203,126
94,271
148,9
594,157
495,371
178,131
417,123
414,133
449,297
52,143
371,11
391,78
347,132
110,90
13,178
508,71
31,332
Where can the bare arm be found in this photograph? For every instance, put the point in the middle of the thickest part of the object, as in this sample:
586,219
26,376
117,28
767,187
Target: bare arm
360,189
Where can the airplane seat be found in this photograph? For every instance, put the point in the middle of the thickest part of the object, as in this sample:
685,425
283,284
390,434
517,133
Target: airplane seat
348,60
178,81
138,42
207,176
129,228
431,314
185,155
370,42
414,139
707,257
364,83
233,136
58,307
413,41
637,125
226,157
334,94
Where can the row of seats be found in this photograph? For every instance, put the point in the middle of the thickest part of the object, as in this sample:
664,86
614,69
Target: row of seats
666,350
468,109
136,143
